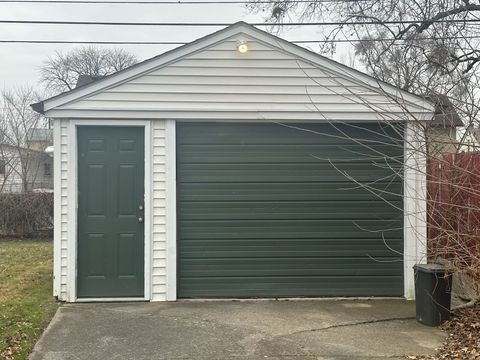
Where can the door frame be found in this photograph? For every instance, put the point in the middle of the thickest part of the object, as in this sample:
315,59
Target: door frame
72,204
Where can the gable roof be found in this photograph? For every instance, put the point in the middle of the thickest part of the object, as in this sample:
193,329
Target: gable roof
216,37
445,113
87,79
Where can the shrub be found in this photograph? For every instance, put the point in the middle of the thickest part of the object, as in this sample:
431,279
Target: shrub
25,214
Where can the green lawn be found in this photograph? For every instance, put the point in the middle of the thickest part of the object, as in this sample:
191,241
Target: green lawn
26,301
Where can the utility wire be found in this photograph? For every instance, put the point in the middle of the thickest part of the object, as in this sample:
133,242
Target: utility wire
181,2
94,42
184,42
213,24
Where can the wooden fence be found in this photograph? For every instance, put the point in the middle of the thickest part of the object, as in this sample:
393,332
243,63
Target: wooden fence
453,209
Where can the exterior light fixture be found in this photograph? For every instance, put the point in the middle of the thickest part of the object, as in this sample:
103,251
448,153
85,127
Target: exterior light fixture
49,150
242,46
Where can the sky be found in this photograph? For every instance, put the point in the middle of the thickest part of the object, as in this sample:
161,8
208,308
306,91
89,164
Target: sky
20,63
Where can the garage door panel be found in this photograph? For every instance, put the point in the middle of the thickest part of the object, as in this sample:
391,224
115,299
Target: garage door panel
291,286
303,266
289,134
300,229
293,191
200,252
268,248
291,210
273,210
247,154
317,172
282,253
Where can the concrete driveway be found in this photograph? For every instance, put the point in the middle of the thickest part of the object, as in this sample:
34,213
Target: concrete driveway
286,330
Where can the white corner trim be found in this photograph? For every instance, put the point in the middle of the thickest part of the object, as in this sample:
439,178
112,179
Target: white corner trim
148,204
171,210
73,200
57,207
72,213
415,206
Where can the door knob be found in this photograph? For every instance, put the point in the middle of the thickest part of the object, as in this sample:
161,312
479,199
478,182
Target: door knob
140,219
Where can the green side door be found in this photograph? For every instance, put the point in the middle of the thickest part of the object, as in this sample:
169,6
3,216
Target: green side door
110,256
304,210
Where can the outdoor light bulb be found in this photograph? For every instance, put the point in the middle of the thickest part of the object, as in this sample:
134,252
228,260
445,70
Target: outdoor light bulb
49,150
242,47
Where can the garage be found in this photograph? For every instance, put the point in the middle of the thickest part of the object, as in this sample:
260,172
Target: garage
275,210
239,165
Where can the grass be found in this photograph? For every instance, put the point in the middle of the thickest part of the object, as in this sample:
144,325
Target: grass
26,301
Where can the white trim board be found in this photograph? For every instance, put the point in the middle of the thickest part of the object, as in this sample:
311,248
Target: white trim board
73,201
414,204
171,209
57,211
234,116
119,299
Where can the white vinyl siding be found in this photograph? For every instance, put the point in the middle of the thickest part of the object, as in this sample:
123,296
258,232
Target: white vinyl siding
159,221
220,83
61,204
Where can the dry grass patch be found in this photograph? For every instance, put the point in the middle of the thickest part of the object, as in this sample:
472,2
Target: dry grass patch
26,302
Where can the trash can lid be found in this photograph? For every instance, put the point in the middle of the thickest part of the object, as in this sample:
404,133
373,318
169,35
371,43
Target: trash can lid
430,268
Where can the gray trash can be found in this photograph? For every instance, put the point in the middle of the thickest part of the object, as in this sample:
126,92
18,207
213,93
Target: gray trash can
433,284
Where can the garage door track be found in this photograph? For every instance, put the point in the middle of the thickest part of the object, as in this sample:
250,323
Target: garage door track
243,330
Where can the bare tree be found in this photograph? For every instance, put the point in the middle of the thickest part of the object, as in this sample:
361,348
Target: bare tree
21,163
450,23
60,72
8,162
408,68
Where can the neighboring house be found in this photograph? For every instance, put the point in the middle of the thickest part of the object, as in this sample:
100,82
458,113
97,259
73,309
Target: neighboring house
441,132
39,138
236,166
472,139
24,169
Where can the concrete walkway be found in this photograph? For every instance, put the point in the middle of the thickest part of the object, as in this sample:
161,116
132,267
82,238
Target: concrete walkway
286,330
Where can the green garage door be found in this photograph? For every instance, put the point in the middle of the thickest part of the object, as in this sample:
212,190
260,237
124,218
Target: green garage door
304,210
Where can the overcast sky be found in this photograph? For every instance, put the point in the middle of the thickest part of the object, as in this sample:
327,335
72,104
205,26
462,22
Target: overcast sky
19,63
